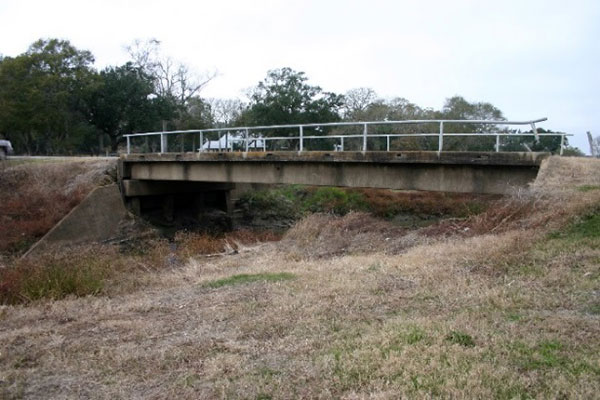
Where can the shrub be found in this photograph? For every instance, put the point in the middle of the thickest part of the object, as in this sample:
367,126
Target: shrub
280,202
81,271
54,276
335,200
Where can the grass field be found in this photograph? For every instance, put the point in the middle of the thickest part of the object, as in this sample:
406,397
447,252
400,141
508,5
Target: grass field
504,304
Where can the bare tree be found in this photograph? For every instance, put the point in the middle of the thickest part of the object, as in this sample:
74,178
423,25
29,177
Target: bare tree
226,111
171,79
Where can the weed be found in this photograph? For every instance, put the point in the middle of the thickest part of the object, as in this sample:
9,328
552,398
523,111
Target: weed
585,227
461,338
588,188
294,202
55,277
548,354
515,317
374,267
249,278
415,335
594,309
545,354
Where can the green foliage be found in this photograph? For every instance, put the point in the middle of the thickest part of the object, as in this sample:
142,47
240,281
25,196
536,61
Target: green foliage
549,144
295,201
543,355
41,94
588,188
335,200
548,354
570,151
415,335
120,103
586,227
291,202
249,278
461,338
281,202
284,97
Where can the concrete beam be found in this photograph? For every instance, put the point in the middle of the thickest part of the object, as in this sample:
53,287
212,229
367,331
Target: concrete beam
135,188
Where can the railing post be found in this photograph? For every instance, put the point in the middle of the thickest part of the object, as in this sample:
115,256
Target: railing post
497,143
441,137
535,132
301,137
342,143
128,145
201,142
246,144
364,137
562,143
388,142
162,143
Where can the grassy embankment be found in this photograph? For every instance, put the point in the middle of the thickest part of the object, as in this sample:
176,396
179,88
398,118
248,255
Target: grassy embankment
503,304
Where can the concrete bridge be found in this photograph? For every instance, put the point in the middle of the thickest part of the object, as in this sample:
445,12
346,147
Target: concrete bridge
210,177
251,155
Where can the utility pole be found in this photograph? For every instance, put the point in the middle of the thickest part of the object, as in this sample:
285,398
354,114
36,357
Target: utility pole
592,147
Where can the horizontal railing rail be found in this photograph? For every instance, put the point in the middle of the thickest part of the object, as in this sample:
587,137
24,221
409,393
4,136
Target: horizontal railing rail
244,135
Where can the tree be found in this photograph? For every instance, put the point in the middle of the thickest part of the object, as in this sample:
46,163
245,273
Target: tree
225,112
284,97
197,115
122,102
40,97
173,81
458,107
356,102
549,144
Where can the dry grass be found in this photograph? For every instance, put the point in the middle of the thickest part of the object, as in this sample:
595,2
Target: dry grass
83,270
512,313
325,235
191,244
30,206
385,203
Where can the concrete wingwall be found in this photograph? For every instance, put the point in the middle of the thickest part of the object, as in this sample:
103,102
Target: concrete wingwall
97,218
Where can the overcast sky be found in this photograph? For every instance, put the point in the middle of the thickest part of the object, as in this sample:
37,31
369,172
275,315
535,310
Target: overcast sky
531,59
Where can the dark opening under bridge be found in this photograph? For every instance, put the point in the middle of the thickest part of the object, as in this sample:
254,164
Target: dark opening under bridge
361,154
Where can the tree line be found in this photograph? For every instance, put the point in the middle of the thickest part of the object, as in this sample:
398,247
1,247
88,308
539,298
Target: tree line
54,101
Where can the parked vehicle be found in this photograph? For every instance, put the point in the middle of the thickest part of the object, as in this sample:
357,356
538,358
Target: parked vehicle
5,149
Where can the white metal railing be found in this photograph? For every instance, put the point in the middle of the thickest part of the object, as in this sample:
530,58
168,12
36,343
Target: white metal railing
248,140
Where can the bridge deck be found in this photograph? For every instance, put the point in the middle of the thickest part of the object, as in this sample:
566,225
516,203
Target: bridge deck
401,157
453,172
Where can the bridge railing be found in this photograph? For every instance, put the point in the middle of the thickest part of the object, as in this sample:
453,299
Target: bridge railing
253,138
